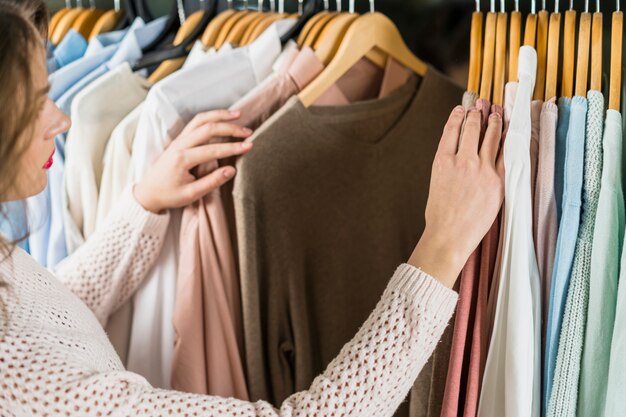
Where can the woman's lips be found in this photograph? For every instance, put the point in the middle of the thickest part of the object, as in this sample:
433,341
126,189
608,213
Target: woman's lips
50,160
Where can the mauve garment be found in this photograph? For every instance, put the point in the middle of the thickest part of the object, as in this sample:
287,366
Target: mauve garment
453,398
535,115
480,335
546,225
207,317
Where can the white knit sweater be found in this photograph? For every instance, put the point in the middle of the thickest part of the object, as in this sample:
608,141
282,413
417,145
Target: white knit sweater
55,359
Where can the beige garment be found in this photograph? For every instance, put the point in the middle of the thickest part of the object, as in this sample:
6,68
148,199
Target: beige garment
207,315
115,179
93,119
315,193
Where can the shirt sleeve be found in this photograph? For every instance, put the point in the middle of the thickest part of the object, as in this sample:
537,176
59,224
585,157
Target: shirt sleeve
370,377
108,268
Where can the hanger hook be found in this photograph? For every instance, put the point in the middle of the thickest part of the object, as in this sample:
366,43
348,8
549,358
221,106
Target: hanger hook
351,6
339,5
281,6
373,6
273,6
517,5
543,4
492,6
92,4
586,6
259,6
617,5
533,7
181,11
68,4
116,5
79,4
597,5
502,5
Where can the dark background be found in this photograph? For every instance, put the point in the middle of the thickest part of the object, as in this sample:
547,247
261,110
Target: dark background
436,30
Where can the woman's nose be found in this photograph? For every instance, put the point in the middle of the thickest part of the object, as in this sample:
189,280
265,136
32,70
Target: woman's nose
61,122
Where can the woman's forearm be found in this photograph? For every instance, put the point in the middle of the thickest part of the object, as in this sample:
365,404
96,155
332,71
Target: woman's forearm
111,265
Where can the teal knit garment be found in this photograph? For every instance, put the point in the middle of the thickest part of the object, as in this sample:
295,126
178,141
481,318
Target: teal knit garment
564,398
605,263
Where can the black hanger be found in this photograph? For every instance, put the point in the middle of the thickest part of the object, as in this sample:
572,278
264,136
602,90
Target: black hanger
171,26
143,10
311,8
181,50
129,16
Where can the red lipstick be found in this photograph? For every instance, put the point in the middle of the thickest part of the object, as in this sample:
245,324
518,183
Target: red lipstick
50,160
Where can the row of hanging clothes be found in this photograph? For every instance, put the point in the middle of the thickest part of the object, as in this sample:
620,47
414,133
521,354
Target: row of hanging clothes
540,329
259,284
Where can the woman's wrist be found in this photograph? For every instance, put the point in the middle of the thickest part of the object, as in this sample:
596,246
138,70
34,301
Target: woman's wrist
441,258
144,199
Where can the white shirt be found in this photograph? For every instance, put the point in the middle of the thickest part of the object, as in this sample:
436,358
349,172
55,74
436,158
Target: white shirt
216,83
512,380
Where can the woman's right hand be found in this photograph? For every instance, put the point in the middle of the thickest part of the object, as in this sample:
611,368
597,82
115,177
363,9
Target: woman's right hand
170,183
466,193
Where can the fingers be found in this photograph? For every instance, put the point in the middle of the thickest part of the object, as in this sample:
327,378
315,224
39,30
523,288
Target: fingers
210,182
491,142
213,116
202,154
468,145
202,134
450,138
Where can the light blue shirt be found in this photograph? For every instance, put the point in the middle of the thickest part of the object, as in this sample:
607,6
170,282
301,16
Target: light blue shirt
559,152
47,241
568,234
13,224
71,48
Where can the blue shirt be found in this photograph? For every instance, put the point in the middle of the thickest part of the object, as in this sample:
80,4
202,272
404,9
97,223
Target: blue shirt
13,222
568,234
559,152
71,48
48,243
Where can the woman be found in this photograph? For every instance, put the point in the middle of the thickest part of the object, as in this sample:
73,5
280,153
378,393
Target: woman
55,359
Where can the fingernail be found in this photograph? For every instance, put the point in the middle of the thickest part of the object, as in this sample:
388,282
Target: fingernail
235,112
247,131
246,145
459,109
229,172
495,116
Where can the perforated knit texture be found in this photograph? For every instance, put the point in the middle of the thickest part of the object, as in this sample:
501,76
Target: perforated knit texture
55,359
564,396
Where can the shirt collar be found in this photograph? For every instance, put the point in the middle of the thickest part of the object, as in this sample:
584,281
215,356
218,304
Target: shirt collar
72,47
99,42
264,50
138,37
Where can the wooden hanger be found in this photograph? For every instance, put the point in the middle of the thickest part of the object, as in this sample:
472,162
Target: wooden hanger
264,25
569,52
310,25
372,30
486,79
552,65
596,50
515,42
615,85
236,33
542,54
230,22
476,46
331,38
170,66
530,30
85,23
107,22
56,18
209,37
582,58
64,25
261,16
318,28
500,56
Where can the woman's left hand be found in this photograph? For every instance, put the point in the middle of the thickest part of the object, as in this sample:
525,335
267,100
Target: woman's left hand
169,183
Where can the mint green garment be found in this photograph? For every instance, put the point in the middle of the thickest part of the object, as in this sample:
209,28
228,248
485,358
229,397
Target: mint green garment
608,238
564,397
616,386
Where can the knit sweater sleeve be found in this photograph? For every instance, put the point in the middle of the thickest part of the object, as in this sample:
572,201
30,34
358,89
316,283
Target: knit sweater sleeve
108,268
370,377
